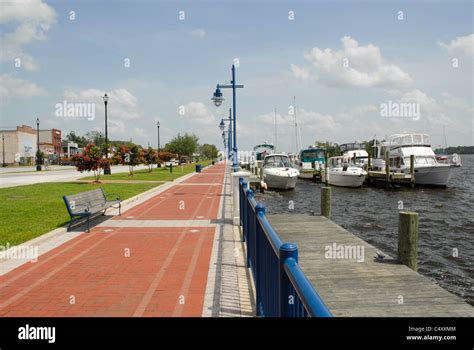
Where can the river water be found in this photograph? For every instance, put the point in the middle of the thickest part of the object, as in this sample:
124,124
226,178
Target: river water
446,221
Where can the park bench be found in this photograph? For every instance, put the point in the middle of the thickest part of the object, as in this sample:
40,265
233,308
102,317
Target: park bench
86,204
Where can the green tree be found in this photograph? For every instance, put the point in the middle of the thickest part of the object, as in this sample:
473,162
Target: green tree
185,145
80,140
208,151
332,149
95,137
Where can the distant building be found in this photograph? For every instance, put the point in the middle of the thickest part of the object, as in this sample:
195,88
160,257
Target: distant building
20,145
69,148
50,144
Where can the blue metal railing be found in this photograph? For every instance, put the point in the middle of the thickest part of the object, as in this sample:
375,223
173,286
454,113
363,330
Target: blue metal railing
282,289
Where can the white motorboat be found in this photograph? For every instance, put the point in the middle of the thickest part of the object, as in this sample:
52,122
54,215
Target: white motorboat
278,172
427,169
311,162
342,173
355,151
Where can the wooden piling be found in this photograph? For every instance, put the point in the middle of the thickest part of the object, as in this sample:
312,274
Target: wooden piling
412,170
408,239
387,168
369,163
326,201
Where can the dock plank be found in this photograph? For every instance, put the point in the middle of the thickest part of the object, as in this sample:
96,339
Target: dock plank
354,288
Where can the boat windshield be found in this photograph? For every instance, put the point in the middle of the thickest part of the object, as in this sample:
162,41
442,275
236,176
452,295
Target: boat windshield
422,161
312,155
277,162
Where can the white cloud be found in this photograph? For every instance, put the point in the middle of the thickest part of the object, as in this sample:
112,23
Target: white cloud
199,32
32,19
301,73
353,65
198,112
10,86
463,45
122,104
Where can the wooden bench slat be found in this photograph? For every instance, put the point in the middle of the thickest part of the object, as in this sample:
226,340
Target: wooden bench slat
87,203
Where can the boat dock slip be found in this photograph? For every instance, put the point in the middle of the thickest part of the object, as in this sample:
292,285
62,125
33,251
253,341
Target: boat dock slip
343,270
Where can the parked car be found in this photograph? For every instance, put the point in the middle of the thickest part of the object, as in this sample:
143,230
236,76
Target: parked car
172,161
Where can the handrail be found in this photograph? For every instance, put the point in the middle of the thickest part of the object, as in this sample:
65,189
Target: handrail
282,288
311,300
272,236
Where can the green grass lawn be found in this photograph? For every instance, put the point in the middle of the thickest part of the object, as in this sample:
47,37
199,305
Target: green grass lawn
30,211
158,174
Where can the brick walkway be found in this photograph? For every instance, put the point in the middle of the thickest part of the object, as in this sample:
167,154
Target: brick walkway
154,260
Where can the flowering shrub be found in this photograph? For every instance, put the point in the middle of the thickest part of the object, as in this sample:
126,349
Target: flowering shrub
149,157
90,160
166,156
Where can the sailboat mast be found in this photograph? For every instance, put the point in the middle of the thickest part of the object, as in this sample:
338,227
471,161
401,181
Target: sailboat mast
275,130
296,125
445,142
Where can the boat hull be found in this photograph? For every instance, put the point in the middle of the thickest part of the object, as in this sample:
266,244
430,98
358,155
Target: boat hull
433,175
280,182
342,179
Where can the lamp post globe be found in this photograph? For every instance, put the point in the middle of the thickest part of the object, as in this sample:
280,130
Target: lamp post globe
217,98
221,125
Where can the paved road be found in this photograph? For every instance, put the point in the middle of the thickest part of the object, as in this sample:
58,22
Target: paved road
132,265
10,177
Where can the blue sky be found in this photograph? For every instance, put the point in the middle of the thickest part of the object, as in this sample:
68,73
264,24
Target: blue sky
177,63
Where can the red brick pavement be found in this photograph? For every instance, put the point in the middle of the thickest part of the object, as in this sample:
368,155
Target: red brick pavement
118,271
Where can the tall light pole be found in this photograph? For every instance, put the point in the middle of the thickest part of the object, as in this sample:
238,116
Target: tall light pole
158,127
3,148
229,140
107,170
38,165
217,99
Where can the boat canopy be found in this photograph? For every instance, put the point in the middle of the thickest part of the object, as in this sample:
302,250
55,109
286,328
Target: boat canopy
345,147
404,140
264,145
277,161
264,148
315,154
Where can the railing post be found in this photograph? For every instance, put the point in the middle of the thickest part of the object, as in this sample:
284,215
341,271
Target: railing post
408,239
286,294
259,212
241,198
326,202
248,220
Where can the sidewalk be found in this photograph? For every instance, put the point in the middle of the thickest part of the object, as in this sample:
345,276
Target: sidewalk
174,254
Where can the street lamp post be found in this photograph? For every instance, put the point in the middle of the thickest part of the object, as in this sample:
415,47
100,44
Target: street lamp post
217,99
3,148
107,170
38,165
158,127
221,125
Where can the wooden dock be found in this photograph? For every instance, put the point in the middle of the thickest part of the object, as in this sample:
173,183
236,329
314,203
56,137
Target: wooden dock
367,288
